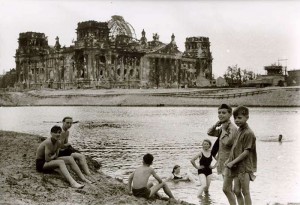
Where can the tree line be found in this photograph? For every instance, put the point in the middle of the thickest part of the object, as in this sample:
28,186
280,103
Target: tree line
235,76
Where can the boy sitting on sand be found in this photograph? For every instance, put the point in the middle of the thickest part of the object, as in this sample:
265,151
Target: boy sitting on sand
138,181
47,159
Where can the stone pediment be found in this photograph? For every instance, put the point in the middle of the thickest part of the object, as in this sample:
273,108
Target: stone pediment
170,49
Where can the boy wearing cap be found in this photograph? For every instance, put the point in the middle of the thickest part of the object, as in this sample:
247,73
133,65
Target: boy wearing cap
242,161
226,133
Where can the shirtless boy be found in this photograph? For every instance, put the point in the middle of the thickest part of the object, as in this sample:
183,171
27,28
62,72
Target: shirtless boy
65,145
138,181
47,157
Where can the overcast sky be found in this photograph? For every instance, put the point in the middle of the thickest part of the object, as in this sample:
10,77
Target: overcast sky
252,34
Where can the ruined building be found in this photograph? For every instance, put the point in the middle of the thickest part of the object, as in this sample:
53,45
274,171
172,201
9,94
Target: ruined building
109,55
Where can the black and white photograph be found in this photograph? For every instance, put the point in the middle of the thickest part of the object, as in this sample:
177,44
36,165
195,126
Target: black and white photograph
149,102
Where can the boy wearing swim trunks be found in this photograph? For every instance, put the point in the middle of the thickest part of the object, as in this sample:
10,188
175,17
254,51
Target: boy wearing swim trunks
47,157
65,148
242,161
138,181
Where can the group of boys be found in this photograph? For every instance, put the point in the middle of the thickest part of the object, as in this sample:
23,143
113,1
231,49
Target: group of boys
236,158
55,153
236,153
235,150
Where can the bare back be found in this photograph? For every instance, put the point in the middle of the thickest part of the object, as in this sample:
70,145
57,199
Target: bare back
141,176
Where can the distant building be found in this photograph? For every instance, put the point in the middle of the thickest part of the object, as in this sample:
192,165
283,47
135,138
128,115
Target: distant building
221,82
274,77
294,77
108,54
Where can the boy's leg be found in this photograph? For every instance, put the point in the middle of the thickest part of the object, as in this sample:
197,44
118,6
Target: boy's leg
203,184
245,184
154,189
227,189
82,162
237,191
63,170
70,161
149,185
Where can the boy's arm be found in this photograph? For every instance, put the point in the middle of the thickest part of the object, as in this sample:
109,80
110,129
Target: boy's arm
248,144
213,131
66,143
130,183
156,176
242,156
230,137
48,154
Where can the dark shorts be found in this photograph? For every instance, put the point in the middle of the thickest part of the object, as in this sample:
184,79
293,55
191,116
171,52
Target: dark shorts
142,192
39,165
67,152
206,171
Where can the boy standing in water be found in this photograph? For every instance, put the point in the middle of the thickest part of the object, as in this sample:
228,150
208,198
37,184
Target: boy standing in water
226,133
138,181
242,161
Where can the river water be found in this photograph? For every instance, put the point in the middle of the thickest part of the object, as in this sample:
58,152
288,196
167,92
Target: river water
120,136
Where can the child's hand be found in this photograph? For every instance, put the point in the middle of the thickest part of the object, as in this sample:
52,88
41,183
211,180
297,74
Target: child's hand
218,124
54,156
130,192
229,165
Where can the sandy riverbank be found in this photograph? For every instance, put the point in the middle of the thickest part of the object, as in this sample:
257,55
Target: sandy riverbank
21,184
271,97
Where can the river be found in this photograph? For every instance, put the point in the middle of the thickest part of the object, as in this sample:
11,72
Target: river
120,136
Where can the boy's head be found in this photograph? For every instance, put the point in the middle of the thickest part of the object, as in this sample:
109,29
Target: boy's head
67,122
148,159
224,112
241,115
56,131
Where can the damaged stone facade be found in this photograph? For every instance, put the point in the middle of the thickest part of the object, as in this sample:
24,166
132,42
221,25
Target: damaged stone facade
108,55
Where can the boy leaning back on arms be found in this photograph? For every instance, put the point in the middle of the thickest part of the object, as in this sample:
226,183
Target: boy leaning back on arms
242,161
138,181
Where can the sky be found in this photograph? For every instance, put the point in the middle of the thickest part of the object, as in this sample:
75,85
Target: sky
250,34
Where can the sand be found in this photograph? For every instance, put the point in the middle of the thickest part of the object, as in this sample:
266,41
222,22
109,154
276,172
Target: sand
21,184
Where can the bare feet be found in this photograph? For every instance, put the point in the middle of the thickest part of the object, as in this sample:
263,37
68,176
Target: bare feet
86,180
77,186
